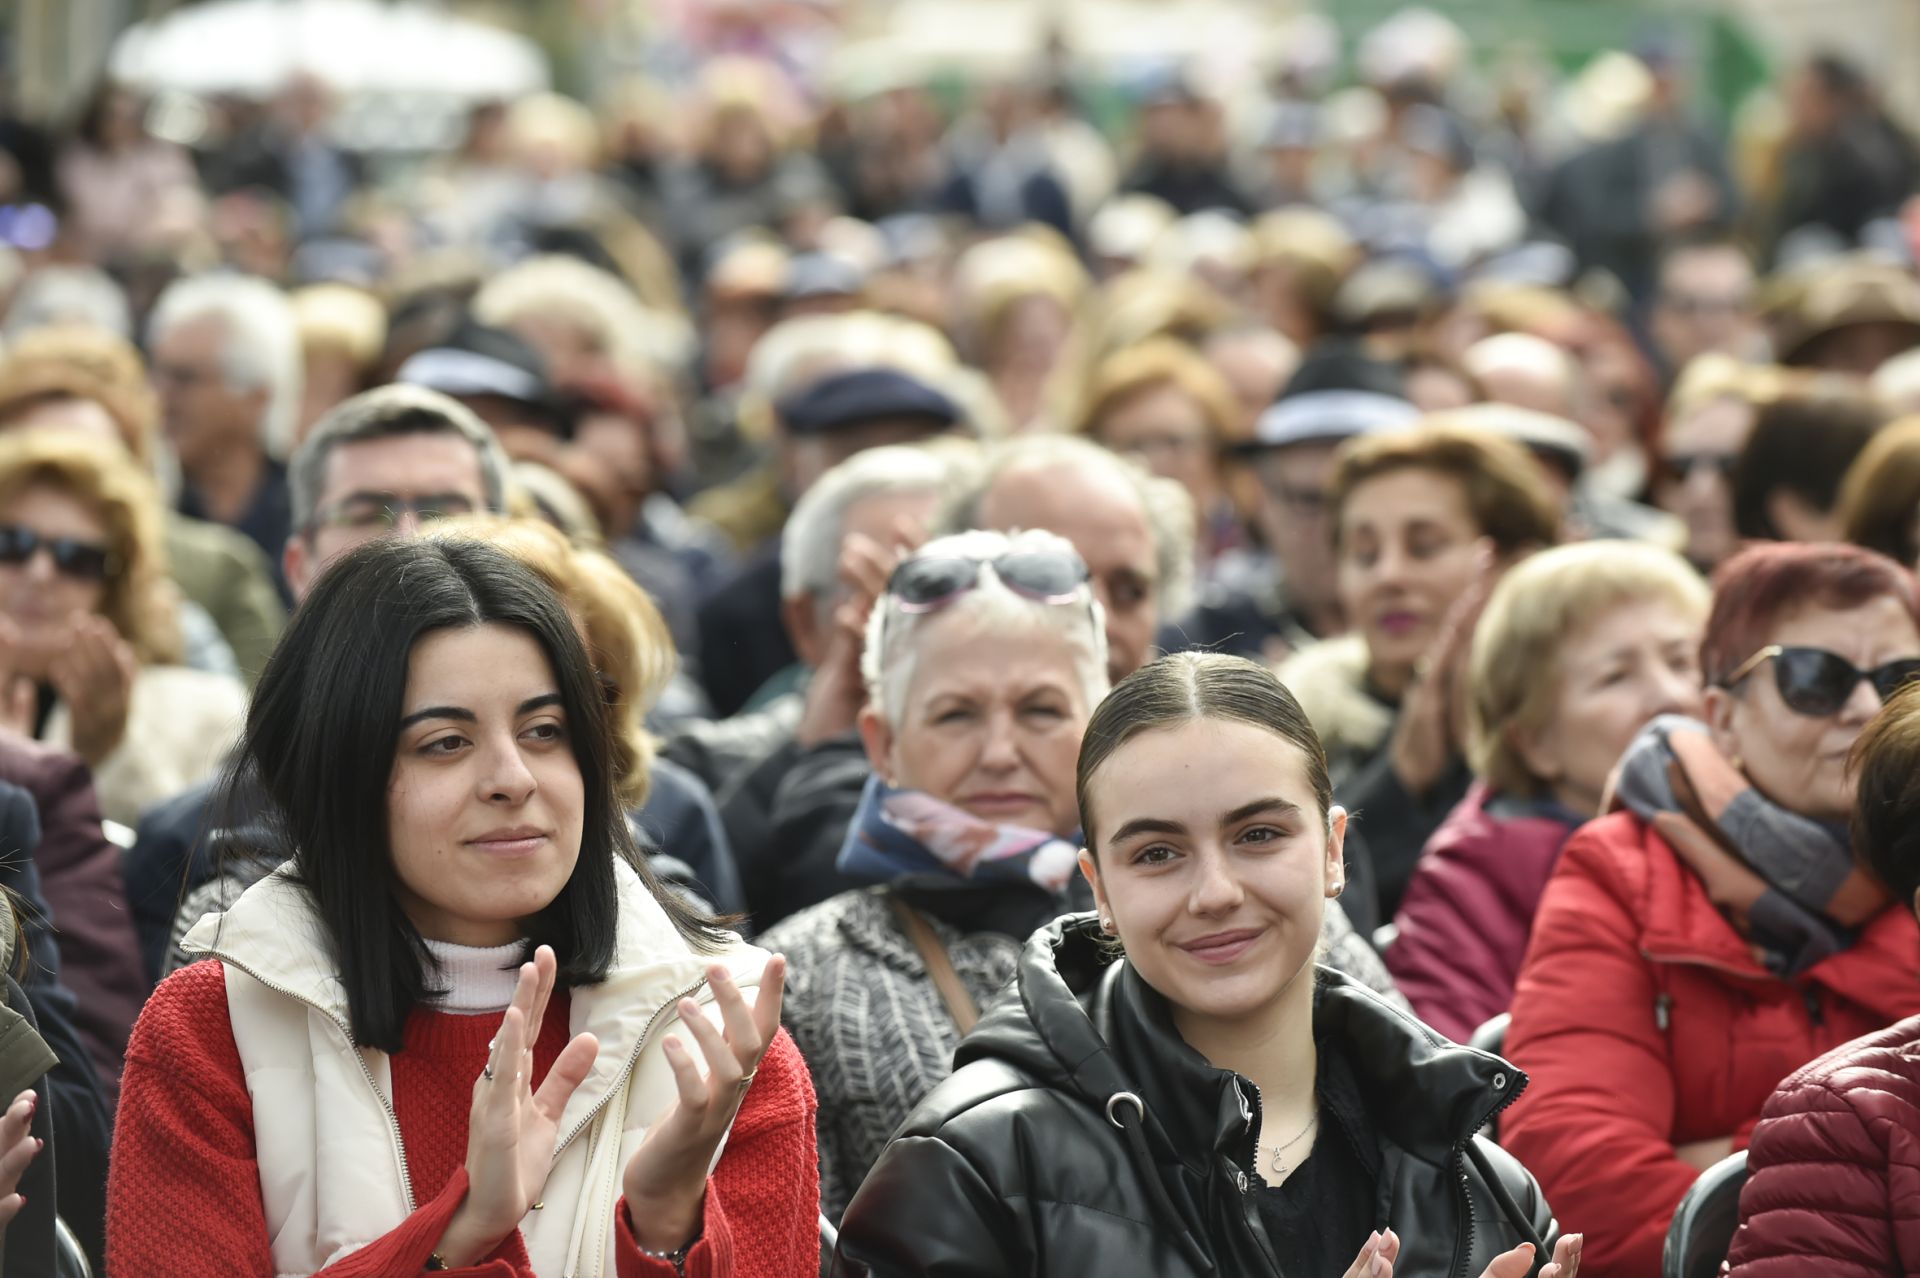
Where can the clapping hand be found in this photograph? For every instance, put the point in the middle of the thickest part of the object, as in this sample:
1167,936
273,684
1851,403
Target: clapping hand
17,1151
512,1129
93,672
666,1181
1383,1248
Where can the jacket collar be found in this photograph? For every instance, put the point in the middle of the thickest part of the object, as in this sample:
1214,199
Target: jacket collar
1879,971
274,934
1090,1025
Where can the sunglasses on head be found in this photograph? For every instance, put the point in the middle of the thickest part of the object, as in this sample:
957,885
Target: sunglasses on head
922,585
1816,683
81,560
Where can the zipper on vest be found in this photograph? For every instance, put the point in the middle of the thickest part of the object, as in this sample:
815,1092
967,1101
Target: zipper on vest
639,1046
393,1118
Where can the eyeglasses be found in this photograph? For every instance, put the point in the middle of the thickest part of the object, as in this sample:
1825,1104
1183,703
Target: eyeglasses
81,560
922,585
1679,467
1816,683
368,512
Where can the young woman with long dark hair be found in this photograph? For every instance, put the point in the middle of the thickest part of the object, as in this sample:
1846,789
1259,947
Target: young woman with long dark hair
462,1028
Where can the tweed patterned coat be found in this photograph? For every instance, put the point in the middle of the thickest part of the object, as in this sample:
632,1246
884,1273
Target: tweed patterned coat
876,1036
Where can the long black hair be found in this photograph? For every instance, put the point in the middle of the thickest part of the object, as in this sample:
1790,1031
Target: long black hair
320,741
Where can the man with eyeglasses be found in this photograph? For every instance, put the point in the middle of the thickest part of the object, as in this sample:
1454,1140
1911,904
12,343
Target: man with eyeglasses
386,461
1267,605
1704,302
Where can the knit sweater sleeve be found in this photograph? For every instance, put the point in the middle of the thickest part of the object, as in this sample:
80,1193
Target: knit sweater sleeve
183,1186
763,1200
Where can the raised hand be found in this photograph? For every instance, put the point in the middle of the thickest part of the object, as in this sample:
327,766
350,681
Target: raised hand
512,1129
837,691
1432,721
17,1150
1376,1258
666,1180
1518,1263
19,700
94,673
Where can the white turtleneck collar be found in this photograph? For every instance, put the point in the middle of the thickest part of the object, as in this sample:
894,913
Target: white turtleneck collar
476,979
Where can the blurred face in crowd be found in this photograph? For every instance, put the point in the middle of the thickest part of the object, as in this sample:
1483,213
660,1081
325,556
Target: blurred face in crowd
1297,525
1409,547
1168,430
1100,514
991,722
1800,761
202,413
486,805
1255,363
1705,303
39,596
804,458
1693,477
1214,861
369,485
1632,662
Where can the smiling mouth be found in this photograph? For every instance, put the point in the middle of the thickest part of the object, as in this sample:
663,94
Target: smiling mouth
1223,947
509,842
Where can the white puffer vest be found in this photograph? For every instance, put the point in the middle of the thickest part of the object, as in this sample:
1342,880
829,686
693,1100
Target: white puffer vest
333,1168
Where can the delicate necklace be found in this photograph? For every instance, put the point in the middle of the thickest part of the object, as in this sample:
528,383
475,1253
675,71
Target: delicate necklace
1276,1151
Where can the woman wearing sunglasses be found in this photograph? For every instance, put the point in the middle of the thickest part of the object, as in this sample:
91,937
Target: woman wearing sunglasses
89,644
983,659
1714,932
1178,1088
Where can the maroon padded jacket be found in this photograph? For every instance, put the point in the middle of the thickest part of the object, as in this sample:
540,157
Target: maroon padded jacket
1833,1173
1468,913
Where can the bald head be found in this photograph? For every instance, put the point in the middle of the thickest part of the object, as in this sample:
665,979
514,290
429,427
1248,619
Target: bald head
1527,371
1101,513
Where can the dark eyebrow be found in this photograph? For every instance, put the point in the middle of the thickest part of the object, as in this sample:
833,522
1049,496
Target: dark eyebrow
465,715
1276,805
1146,825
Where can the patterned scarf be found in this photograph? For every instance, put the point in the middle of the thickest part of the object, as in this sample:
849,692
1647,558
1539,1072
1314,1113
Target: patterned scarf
905,834
1787,882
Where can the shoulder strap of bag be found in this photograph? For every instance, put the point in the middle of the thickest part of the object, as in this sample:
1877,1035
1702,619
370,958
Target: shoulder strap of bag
933,953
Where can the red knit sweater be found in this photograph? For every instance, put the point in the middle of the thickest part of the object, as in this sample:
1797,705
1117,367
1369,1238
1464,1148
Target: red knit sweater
183,1190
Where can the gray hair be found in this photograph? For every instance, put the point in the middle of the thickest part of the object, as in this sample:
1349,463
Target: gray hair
398,409
82,295
892,649
810,545
261,347
1169,510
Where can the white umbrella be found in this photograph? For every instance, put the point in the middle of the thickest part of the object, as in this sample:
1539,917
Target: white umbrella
358,47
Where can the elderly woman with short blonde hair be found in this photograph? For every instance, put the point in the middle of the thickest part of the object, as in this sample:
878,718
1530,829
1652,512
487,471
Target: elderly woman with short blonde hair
1579,647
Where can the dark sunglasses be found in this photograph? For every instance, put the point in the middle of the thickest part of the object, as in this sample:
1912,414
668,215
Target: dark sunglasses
922,585
1816,683
81,560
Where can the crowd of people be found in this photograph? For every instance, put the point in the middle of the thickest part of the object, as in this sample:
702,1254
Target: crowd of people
767,678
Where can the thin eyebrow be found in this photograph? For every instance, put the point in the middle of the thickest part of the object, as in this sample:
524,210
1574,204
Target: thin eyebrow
464,715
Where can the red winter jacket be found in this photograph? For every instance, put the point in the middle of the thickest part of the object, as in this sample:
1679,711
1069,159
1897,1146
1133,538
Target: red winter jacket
1468,912
1834,1170
1644,1022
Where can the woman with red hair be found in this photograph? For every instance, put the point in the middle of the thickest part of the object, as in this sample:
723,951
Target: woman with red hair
1713,933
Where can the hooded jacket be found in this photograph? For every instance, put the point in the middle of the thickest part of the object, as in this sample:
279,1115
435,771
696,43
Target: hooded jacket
1080,1136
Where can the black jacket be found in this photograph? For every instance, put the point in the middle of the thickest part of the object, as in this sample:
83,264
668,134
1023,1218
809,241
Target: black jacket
1036,1158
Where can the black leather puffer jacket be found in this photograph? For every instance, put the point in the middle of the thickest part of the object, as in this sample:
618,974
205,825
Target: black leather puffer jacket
1079,1135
